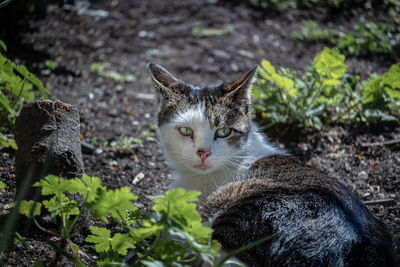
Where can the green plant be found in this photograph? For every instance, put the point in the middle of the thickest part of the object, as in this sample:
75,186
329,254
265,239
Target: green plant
98,68
381,95
50,67
200,32
2,185
173,235
127,145
325,93
369,37
18,86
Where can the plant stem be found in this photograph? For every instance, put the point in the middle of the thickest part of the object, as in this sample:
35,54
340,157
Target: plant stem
44,229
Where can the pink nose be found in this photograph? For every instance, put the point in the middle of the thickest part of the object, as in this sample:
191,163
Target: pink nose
203,154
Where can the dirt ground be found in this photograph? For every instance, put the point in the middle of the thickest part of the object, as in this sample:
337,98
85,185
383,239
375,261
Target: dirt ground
129,34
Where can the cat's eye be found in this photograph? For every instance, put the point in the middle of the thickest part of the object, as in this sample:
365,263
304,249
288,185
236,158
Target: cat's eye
186,131
223,132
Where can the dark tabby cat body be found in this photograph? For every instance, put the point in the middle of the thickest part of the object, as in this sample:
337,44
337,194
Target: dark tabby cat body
316,220
253,190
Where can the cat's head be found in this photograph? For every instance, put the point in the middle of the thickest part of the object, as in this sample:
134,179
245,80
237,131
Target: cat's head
203,129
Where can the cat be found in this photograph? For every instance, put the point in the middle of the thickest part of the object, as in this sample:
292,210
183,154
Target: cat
206,133
252,189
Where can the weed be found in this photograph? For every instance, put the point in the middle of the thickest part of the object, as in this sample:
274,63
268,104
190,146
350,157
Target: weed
98,68
200,32
172,235
324,94
369,37
18,86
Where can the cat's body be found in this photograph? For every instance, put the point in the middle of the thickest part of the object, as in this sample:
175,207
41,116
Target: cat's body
316,220
211,143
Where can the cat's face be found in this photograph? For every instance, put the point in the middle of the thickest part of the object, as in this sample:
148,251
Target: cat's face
202,129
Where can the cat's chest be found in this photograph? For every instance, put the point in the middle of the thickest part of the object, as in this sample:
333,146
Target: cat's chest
205,183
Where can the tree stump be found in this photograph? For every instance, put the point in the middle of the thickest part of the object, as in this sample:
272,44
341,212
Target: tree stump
45,128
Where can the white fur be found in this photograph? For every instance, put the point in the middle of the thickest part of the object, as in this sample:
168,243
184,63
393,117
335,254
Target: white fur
226,163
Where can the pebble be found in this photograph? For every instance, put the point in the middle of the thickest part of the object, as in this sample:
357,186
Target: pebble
138,178
220,53
98,151
234,67
347,166
362,175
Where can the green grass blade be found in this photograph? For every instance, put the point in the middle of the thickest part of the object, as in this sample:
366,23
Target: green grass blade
65,253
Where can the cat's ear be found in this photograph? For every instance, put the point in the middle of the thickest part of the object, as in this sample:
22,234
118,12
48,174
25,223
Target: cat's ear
165,81
239,90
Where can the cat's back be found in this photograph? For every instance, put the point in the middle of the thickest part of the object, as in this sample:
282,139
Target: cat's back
316,220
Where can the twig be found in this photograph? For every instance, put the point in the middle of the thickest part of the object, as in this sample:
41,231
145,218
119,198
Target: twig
389,201
389,142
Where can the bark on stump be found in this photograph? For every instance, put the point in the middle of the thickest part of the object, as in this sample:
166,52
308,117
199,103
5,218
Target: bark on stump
44,127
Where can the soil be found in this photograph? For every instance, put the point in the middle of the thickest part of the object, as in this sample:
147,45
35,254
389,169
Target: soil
133,33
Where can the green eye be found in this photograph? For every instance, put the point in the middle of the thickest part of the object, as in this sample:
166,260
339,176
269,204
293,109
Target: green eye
186,131
223,132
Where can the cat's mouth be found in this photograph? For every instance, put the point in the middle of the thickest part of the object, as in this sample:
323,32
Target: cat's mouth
202,166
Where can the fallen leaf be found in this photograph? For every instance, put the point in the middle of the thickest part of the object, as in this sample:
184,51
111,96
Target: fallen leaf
78,54
150,179
372,165
112,168
128,111
135,158
309,163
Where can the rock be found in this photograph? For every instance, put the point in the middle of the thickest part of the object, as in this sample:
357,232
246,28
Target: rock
362,175
48,139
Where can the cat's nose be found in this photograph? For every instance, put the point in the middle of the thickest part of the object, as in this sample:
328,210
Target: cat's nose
203,153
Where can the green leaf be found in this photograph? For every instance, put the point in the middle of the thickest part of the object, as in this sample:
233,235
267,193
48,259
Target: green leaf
179,205
62,206
6,103
25,208
116,202
391,81
2,185
101,237
52,185
38,263
93,184
121,243
330,63
280,80
3,45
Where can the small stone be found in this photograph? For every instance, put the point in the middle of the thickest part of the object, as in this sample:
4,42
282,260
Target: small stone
138,178
234,67
91,96
362,175
347,167
220,53
147,115
98,151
